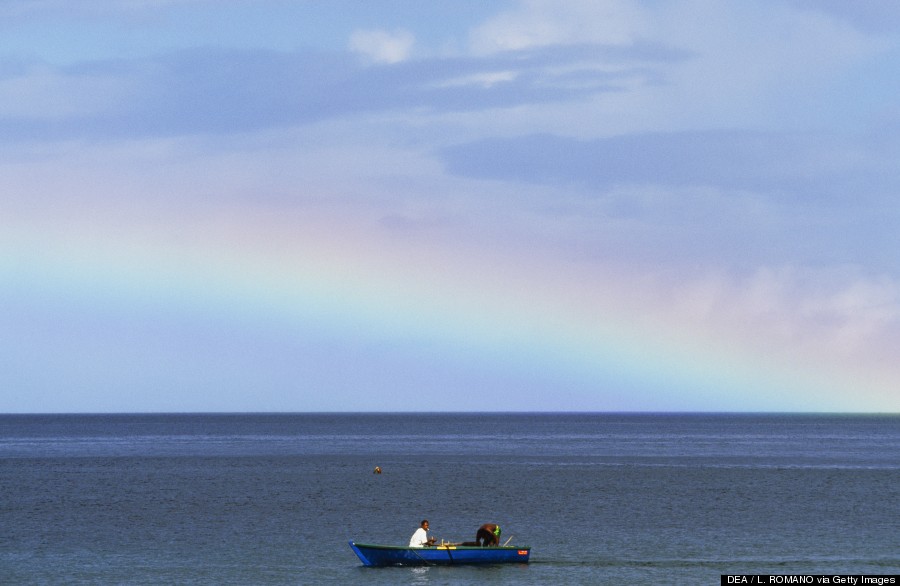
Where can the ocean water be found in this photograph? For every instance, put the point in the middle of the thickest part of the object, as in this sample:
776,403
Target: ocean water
601,498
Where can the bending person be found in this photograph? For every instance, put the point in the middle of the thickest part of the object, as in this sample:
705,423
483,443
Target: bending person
488,534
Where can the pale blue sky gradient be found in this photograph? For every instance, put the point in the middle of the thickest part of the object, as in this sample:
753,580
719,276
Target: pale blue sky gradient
722,171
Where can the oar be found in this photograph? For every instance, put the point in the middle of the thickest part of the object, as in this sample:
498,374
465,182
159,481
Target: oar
508,540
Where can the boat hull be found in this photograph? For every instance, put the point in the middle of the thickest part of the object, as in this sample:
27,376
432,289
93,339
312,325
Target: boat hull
444,555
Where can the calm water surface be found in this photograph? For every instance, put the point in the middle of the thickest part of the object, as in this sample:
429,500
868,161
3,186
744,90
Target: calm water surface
601,498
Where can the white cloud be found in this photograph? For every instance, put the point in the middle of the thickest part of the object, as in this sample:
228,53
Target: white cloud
485,80
380,46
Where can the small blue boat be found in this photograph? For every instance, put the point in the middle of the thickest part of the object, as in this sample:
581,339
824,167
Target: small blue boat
448,554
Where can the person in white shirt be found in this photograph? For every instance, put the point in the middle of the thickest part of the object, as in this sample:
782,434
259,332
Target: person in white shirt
420,537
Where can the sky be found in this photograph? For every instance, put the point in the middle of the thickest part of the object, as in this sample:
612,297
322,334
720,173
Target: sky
519,205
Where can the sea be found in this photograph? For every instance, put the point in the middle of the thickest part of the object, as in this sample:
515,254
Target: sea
601,498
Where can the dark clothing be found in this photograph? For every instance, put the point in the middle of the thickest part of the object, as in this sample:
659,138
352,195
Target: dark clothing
488,534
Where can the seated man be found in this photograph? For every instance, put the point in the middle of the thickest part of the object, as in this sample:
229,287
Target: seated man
488,534
420,537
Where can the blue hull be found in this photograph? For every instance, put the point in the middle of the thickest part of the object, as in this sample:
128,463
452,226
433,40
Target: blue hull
391,555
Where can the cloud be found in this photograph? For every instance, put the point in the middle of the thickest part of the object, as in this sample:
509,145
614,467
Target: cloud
746,65
732,199
594,72
380,46
486,79
542,23
234,91
805,165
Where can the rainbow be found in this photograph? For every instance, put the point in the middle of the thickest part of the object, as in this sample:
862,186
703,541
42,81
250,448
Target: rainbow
580,332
